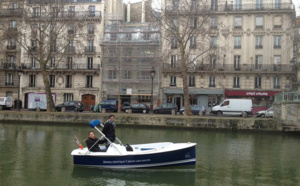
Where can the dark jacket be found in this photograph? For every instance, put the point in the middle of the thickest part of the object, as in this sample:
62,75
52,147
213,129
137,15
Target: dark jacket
109,131
90,142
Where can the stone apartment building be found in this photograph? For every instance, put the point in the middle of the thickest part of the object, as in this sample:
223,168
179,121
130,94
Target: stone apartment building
131,46
253,62
296,51
73,70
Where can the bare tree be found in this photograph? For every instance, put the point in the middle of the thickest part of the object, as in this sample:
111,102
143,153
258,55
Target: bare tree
187,28
47,32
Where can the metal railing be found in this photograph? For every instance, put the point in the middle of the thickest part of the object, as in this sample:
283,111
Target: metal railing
90,49
11,66
9,83
229,67
61,66
63,1
287,97
10,13
66,14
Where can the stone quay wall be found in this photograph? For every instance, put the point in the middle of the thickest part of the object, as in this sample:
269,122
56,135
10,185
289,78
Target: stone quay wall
67,118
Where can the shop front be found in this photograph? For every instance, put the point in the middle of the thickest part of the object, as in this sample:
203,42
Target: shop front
205,97
261,100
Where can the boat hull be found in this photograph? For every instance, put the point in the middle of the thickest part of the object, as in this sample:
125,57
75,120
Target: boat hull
185,156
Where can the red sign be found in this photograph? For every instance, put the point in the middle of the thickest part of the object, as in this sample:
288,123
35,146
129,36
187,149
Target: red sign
249,93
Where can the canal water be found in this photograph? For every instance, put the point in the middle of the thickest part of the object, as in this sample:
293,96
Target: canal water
40,155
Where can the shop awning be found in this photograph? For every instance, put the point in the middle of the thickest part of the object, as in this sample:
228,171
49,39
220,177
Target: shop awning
250,93
193,91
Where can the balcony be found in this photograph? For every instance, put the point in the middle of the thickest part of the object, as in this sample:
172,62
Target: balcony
172,84
9,66
11,47
31,85
90,49
212,85
192,84
236,86
70,49
237,27
88,86
33,49
66,15
277,46
257,86
193,46
9,84
68,85
258,46
65,1
276,87
10,13
62,66
237,47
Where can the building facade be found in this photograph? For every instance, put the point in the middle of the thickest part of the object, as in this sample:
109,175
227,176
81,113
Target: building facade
252,58
70,43
296,51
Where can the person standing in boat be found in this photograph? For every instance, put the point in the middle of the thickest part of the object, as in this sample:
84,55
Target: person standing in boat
92,142
109,130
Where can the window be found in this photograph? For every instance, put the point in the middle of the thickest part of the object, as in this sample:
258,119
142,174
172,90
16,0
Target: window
9,79
15,6
69,63
212,81
259,22
144,75
90,63
146,36
237,63
174,43
257,82
31,80
238,5
11,60
52,81
113,36
68,81
236,82
296,35
193,22
214,5
193,42
277,4
277,63
12,43
144,99
175,23
36,12
13,24
112,74
237,22
259,4
295,48
237,42
91,27
89,81
191,81
54,12
213,22
277,41
71,29
226,103
172,80
90,47
258,42
213,42
34,30
71,47
68,97
33,62
53,45
128,36
213,62
175,5
258,62
277,22
92,11
52,62
173,61
126,74
276,82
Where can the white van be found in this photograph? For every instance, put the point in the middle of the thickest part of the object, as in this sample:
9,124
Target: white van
233,107
6,102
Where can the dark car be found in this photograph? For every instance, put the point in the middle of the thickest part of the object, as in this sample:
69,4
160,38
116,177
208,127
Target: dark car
195,109
138,108
108,105
125,106
71,106
165,108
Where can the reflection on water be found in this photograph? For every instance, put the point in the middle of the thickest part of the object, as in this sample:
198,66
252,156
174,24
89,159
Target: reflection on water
171,176
40,155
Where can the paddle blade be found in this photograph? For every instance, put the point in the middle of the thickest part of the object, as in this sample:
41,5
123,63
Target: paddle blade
94,123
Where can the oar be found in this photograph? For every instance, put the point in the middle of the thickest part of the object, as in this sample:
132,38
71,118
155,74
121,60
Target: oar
78,143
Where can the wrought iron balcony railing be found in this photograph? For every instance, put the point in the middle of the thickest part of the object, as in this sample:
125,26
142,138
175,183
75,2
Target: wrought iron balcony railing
64,1
10,13
9,83
11,47
62,66
66,14
10,66
90,49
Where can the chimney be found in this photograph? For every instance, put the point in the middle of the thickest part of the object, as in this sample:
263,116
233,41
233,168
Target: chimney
128,11
143,11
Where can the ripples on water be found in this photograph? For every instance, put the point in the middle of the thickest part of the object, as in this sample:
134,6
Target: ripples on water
40,155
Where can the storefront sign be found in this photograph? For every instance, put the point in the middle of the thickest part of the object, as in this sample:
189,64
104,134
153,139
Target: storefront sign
249,93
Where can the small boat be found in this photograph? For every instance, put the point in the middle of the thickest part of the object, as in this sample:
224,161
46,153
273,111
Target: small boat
119,156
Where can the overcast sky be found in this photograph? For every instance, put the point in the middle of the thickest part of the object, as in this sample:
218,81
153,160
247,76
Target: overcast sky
296,3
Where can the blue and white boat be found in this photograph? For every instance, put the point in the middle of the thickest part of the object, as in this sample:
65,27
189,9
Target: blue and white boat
142,155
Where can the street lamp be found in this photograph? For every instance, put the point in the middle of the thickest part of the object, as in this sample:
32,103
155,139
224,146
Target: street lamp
20,73
152,74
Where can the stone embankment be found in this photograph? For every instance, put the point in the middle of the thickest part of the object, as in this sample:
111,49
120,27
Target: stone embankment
226,123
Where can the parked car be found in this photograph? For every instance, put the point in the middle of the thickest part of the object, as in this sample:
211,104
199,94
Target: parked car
6,102
125,106
76,106
233,107
195,109
266,113
165,108
138,108
109,105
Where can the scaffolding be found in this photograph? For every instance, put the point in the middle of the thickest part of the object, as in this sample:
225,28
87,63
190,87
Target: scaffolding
130,52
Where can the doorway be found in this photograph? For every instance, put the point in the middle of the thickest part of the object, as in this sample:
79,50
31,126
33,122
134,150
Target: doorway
177,101
88,100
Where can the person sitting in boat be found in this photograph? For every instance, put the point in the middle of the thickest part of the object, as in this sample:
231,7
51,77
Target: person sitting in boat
92,142
109,130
